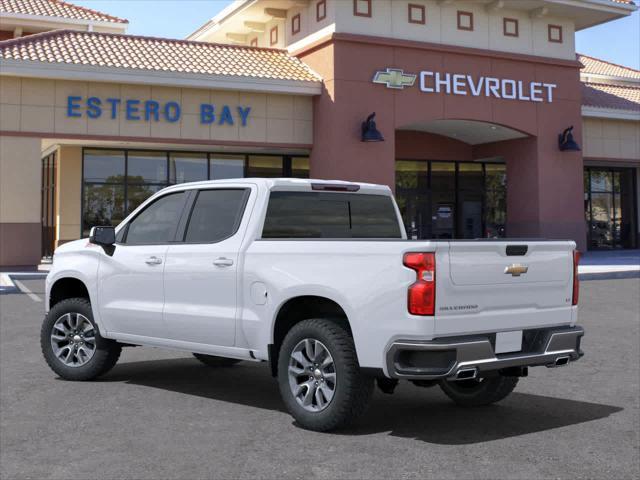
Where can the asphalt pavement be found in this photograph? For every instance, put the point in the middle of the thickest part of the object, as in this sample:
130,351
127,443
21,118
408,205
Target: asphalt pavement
161,414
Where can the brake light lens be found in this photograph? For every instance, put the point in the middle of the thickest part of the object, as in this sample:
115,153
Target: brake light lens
422,293
576,281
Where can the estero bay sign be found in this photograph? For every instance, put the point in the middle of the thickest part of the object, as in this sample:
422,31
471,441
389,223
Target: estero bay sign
152,110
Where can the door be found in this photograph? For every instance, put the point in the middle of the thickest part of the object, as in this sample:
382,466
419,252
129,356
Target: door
610,207
201,271
130,289
48,206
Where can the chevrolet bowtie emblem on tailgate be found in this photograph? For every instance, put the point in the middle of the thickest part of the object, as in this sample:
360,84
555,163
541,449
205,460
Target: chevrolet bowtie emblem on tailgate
395,78
516,269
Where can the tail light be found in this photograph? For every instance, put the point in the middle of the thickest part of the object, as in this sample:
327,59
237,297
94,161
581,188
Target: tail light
422,293
576,281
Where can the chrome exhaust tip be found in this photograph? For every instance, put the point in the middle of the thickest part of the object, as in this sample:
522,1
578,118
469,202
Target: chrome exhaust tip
466,374
560,362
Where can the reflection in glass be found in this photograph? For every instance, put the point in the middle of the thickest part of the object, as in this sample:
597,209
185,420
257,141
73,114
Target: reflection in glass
495,214
100,165
601,220
412,196
470,191
226,166
601,181
187,167
300,167
610,207
103,205
264,166
443,196
136,194
146,167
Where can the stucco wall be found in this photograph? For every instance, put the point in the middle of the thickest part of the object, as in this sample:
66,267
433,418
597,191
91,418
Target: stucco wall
389,18
19,200
68,193
611,139
40,106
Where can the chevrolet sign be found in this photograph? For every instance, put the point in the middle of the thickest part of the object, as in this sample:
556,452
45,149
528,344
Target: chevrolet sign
394,78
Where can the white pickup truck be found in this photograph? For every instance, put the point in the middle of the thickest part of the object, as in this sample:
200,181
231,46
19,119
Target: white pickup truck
318,279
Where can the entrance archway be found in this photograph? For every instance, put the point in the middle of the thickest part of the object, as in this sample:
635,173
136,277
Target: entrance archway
449,184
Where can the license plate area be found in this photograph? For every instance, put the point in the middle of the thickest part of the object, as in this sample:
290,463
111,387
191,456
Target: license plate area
507,342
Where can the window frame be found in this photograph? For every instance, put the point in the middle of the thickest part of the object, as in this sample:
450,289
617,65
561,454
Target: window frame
369,11
183,227
273,41
420,8
321,5
296,24
513,21
462,13
551,27
144,206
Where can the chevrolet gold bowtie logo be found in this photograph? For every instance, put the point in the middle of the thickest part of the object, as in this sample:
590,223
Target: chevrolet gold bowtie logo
395,78
516,269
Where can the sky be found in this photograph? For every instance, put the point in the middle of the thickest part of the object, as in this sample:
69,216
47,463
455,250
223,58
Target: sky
617,42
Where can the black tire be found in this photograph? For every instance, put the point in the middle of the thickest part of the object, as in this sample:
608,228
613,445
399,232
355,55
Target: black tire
473,393
213,361
353,390
106,352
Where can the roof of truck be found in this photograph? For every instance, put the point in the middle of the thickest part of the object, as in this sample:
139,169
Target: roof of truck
291,184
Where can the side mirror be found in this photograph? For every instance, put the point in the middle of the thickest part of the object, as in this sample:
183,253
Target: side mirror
103,236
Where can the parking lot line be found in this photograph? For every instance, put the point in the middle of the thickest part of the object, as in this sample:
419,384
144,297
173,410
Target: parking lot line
22,287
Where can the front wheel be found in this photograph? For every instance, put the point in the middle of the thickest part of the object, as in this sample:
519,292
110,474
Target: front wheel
480,391
71,343
319,376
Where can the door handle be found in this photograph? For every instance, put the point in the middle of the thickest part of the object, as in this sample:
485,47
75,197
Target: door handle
153,261
223,262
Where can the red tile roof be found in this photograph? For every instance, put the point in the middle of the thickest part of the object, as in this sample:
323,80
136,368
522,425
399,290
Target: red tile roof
56,8
611,96
157,54
602,67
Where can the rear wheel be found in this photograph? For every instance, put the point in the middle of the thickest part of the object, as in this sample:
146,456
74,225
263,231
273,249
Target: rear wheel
319,376
481,391
71,343
213,361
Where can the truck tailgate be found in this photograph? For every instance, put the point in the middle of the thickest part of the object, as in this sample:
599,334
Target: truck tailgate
503,285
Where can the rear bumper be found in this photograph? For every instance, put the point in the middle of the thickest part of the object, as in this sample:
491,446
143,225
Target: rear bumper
466,357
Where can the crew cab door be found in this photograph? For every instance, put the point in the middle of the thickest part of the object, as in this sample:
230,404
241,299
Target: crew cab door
201,271
130,286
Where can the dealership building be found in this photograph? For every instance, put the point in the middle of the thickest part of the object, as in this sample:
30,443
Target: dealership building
487,122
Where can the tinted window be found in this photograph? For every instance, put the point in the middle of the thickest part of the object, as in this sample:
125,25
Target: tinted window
330,215
216,215
158,222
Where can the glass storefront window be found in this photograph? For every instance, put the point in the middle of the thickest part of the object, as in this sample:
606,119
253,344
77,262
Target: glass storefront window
116,182
146,167
264,166
470,192
103,166
495,211
300,167
610,207
412,195
103,204
226,166
451,199
187,167
443,199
